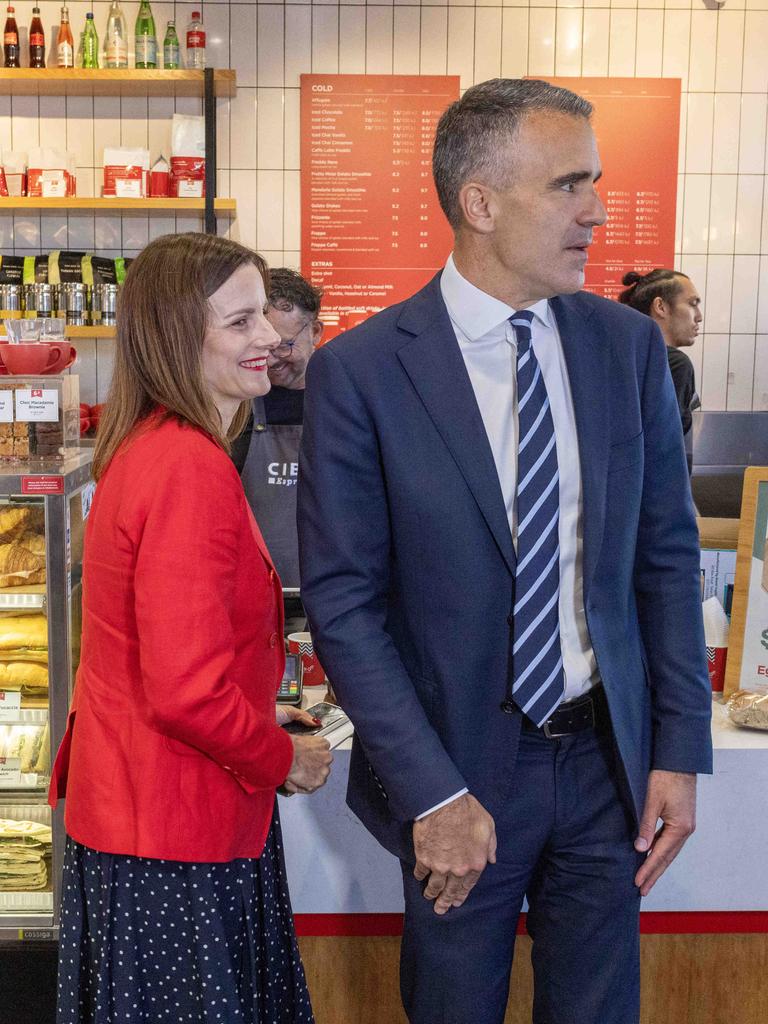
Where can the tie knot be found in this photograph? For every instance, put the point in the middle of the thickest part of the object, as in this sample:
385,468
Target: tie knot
521,321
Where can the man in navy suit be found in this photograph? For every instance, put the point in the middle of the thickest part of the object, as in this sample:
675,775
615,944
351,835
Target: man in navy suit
500,567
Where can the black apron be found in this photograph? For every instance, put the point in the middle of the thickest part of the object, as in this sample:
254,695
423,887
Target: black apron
269,477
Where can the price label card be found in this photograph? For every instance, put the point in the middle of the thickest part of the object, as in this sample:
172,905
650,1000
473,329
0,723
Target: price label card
10,771
6,407
10,705
37,405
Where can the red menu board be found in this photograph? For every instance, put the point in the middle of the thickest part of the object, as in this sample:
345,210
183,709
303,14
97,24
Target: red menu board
637,124
372,231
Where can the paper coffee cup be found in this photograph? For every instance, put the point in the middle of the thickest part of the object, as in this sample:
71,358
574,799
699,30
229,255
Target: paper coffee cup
301,644
716,659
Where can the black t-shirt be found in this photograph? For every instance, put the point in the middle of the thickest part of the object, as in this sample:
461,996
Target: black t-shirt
683,378
283,407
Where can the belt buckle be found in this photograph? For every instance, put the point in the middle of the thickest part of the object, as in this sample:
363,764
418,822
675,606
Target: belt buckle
551,735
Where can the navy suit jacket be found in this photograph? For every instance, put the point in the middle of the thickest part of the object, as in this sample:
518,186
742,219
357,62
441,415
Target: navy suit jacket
408,565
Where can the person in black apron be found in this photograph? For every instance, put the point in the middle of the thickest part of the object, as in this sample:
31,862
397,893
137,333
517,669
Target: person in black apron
670,298
267,452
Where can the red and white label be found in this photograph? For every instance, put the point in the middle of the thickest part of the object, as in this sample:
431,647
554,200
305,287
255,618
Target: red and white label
42,485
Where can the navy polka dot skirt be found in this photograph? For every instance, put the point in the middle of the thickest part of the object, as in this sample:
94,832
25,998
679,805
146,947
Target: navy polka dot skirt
146,940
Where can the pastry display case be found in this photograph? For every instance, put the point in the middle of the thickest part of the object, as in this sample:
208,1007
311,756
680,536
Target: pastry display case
43,508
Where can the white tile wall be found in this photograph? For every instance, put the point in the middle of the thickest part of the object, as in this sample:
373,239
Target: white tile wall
720,55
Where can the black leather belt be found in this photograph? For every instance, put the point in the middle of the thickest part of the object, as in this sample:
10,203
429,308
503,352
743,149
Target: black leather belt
587,712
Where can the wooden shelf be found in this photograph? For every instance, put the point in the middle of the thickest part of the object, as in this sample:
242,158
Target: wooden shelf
112,82
15,204
90,332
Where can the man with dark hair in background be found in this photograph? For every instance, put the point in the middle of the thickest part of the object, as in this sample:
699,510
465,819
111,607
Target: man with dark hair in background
670,298
267,452
500,567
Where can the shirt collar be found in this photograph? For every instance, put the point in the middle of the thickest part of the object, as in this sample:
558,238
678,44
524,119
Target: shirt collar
475,312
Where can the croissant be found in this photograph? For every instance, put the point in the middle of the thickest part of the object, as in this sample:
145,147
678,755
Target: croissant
34,542
18,566
18,519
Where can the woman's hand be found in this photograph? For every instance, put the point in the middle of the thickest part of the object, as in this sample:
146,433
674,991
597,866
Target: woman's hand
311,765
285,713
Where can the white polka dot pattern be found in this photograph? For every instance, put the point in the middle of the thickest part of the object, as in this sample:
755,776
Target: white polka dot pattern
147,940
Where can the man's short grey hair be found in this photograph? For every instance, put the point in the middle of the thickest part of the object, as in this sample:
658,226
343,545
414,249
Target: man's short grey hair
474,132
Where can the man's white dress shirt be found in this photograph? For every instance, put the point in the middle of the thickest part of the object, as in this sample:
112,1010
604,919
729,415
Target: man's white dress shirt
489,348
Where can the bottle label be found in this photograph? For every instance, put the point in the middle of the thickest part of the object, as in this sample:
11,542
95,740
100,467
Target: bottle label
116,53
171,54
146,50
36,39
11,39
195,40
65,58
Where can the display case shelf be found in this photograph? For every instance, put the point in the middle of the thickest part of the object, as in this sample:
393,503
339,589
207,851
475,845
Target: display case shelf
90,332
19,204
31,598
113,82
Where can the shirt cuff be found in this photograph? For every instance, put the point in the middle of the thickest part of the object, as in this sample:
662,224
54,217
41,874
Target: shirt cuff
442,803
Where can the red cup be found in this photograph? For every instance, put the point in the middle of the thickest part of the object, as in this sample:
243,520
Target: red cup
32,358
716,659
67,357
301,644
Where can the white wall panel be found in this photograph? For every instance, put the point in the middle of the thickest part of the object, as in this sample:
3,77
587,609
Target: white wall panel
720,56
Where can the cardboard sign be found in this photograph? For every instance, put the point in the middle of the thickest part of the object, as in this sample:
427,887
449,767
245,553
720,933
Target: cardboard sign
37,405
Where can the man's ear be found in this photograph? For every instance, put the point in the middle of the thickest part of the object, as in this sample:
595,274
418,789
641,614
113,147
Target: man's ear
659,308
477,207
317,332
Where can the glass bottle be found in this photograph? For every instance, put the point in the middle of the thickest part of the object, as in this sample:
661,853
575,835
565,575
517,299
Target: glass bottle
65,44
146,39
11,49
171,48
196,42
36,40
90,43
116,39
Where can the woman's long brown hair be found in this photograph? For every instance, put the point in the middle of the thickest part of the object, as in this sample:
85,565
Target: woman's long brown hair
161,324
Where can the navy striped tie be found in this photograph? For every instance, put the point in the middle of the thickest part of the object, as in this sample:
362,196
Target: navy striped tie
538,681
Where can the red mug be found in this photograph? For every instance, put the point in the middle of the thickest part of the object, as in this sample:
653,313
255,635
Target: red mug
32,358
65,360
301,644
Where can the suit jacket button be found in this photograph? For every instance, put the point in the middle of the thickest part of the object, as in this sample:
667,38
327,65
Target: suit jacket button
510,620
273,639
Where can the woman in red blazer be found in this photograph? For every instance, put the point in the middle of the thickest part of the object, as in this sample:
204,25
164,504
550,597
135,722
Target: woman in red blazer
175,905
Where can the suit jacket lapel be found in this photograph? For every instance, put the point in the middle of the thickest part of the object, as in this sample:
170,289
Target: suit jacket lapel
587,357
432,359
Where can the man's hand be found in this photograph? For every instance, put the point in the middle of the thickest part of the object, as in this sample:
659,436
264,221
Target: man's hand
453,846
671,797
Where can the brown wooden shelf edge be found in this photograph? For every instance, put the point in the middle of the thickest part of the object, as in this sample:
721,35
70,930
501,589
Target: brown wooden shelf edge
90,332
15,204
112,82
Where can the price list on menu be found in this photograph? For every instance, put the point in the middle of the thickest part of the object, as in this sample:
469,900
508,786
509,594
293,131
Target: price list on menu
637,125
372,231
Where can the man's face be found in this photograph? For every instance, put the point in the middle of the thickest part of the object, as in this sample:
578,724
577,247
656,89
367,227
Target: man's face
684,315
542,223
287,364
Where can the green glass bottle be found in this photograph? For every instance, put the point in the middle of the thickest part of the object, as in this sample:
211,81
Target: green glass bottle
171,48
90,43
146,38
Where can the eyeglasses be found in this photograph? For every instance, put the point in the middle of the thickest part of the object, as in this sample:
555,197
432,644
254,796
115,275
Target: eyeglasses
286,345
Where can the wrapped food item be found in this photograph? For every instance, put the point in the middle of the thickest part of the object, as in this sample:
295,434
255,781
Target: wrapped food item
25,848
24,742
27,677
188,156
748,709
25,634
19,566
16,520
15,169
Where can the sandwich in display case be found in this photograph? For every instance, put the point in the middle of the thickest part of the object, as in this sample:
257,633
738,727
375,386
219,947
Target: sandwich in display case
43,508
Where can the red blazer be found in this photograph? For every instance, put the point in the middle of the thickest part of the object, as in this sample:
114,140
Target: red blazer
171,749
